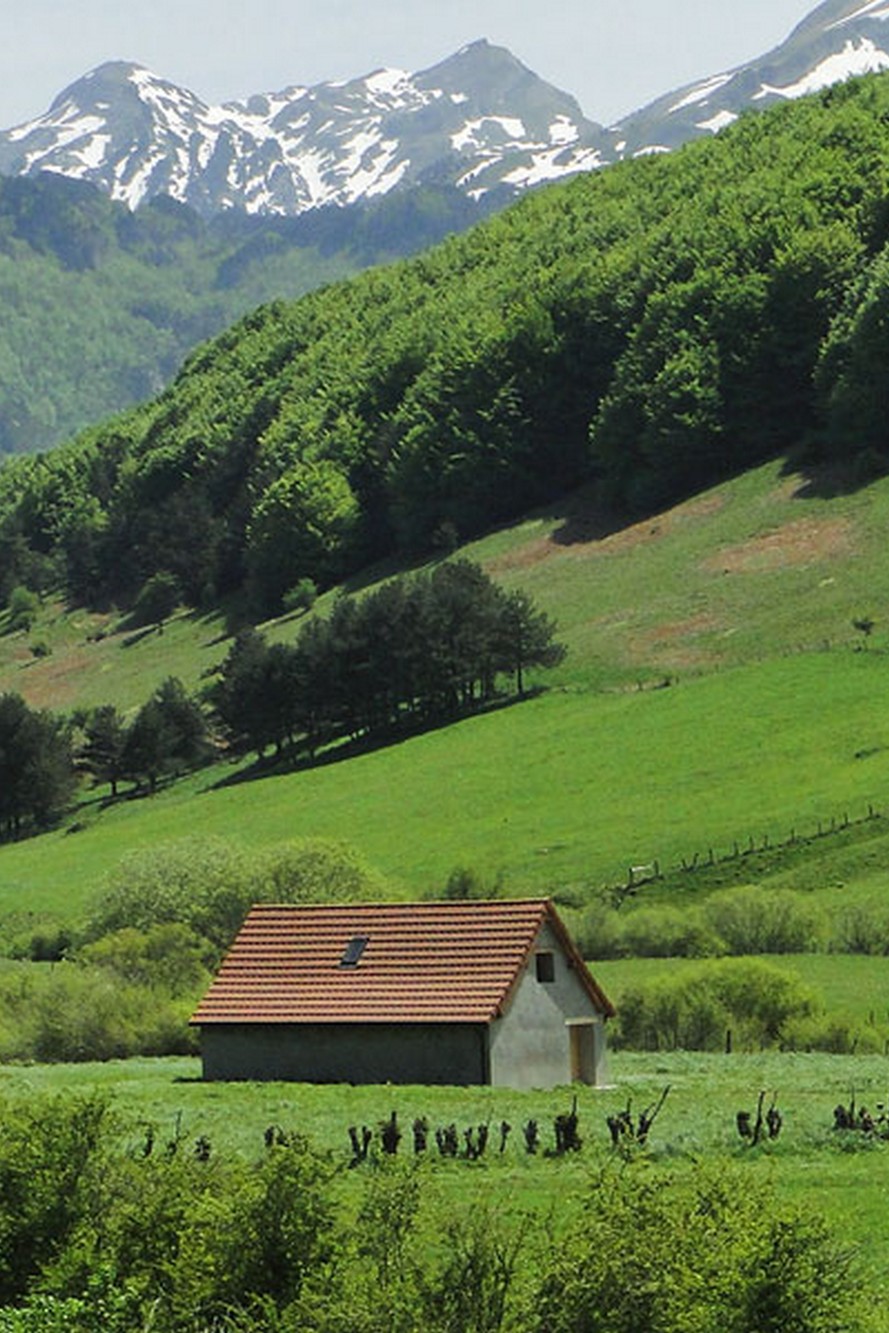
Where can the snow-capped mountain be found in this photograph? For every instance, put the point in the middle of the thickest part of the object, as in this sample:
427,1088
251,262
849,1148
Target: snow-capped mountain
480,121
838,40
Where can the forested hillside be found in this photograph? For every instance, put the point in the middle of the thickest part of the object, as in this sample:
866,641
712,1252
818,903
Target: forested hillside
101,305
653,328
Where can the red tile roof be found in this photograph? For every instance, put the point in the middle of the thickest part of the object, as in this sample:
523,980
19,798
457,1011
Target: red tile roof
434,962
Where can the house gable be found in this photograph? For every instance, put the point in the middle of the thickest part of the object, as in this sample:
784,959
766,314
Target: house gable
531,1044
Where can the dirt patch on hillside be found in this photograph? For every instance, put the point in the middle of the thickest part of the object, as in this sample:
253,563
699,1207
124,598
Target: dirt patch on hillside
55,682
675,644
805,541
587,534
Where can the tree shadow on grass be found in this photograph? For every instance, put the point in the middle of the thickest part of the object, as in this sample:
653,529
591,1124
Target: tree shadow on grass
138,635
584,517
341,750
834,479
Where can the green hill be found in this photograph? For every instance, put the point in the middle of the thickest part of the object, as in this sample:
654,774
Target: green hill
649,329
743,599
608,349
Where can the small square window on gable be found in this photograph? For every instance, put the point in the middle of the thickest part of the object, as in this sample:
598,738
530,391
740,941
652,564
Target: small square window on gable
545,965
353,951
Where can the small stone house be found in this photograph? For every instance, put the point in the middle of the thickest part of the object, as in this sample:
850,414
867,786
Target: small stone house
437,992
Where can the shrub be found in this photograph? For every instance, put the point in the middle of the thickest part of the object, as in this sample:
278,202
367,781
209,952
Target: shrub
314,870
761,998
209,885
752,920
267,1235
710,1250
602,931
47,943
862,927
172,882
73,1013
22,608
465,882
301,597
84,1014
667,932
597,931
672,1013
48,1155
694,1010
168,956
838,1034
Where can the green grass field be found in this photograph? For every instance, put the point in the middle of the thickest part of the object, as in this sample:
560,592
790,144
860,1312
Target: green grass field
809,1163
566,790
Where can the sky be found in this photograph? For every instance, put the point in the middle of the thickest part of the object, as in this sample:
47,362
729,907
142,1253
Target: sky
613,55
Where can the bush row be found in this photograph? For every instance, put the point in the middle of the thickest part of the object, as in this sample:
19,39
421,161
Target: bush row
738,921
736,1004
96,1238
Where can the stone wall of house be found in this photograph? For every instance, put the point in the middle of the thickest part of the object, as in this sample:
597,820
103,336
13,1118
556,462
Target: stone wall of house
443,1053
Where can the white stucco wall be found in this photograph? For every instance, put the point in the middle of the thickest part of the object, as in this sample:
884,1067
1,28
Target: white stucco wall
531,1043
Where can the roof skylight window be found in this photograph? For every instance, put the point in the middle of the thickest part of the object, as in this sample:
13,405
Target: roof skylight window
353,951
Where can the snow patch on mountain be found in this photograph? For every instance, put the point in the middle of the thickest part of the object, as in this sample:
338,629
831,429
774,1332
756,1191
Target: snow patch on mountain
701,92
863,57
563,132
720,121
549,166
476,134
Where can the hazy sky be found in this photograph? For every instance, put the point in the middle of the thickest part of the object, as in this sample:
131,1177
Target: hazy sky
613,55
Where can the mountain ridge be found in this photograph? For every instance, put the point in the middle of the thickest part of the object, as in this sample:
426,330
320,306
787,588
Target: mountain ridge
479,121
839,39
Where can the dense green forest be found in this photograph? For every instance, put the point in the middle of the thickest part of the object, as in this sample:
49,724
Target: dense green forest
651,328
101,305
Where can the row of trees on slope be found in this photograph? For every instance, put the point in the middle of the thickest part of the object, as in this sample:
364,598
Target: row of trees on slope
413,653
41,755
416,652
650,328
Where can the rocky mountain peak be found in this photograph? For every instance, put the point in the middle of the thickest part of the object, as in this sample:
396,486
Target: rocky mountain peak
480,121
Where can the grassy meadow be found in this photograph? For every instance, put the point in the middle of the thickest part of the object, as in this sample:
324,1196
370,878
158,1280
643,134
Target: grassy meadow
715,698
842,1175
564,791
714,691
